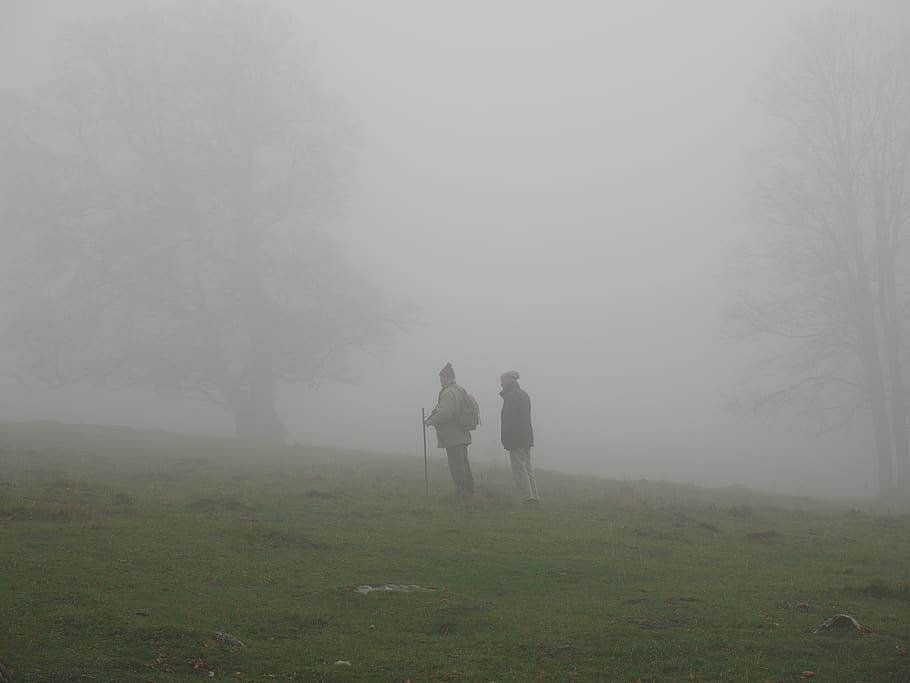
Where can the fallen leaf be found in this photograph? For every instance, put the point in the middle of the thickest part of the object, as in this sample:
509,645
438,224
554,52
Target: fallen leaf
807,674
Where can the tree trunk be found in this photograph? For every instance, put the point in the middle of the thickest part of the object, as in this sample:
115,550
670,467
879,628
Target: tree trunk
869,334
898,402
887,250
870,356
255,408
883,437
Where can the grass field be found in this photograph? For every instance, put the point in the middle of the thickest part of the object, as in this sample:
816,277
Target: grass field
123,553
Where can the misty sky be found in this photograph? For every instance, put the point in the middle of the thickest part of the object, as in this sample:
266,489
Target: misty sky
557,188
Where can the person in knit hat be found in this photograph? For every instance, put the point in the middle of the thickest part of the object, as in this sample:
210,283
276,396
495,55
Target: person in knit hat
449,434
518,435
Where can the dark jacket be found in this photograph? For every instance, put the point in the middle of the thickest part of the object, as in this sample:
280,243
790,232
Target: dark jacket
516,418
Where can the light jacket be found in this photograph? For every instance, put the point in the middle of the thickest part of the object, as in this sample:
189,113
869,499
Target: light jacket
444,417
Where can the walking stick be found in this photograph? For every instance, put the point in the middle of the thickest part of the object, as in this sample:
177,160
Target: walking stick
426,478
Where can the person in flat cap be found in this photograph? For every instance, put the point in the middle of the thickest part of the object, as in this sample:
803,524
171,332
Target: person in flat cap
518,435
450,434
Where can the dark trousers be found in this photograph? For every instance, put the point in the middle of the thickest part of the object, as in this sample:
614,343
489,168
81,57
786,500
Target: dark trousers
460,469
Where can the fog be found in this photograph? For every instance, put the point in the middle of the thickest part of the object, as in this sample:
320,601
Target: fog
556,188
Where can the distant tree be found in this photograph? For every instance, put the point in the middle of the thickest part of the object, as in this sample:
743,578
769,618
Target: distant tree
166,200
830,280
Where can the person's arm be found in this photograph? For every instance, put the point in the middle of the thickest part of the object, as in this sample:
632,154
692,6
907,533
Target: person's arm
526,429
524,409
510,417
445,409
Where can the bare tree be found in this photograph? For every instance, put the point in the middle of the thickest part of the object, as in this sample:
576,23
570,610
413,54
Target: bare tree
167,197
832,282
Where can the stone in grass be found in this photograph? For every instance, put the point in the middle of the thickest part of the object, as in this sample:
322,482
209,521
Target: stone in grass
804,606
228,639
841,622
395,587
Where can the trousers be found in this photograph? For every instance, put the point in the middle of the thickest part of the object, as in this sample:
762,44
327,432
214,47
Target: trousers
523,473
460,469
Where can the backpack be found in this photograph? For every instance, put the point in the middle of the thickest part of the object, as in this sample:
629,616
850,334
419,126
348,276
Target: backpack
469,417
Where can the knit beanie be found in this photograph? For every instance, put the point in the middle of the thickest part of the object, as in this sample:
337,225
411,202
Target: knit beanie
447,371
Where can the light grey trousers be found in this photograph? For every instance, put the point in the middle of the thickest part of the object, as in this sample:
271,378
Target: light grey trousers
524,473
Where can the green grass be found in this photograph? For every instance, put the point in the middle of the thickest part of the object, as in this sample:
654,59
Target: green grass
123,552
